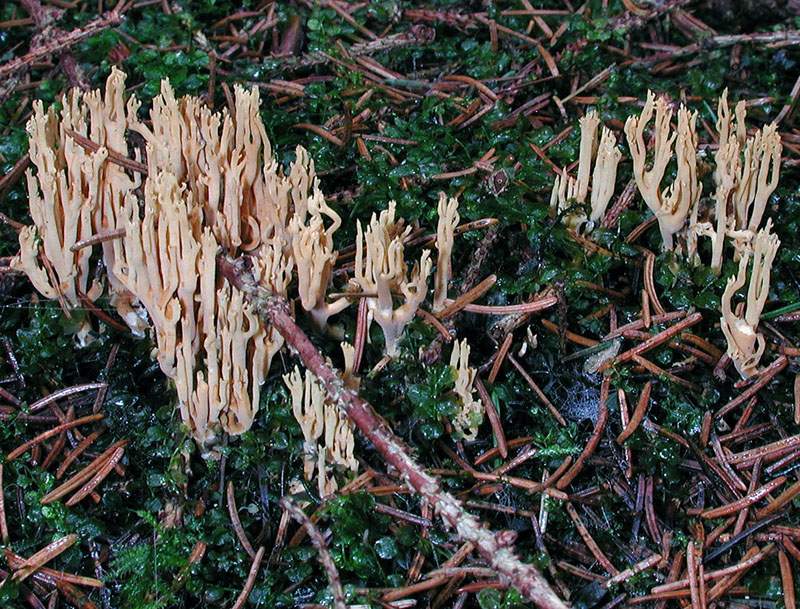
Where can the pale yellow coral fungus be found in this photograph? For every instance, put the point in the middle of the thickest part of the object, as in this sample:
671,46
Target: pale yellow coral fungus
745,344
671,205
212,184
75,194
328,433
470,411
312,248
380,269
605,156
63,195
445,232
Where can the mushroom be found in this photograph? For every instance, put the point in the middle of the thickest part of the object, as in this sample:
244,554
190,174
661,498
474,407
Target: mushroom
606,158
320,418
745,344
672,205
726,178
448,220
759,172
157,260
470,414
312,247
380,269
307,406
63,195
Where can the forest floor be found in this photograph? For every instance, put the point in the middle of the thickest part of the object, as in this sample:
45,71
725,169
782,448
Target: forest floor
399,100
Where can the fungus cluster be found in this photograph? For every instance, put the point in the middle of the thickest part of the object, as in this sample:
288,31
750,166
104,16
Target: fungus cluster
745,344
746,174
671,205
327,432
204,182
470,411
381,271
211,183
569,194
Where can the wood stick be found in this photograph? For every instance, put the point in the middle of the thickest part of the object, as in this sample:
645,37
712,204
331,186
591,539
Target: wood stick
499,555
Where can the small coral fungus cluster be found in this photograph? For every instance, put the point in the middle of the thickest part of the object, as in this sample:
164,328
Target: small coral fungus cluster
746,173
206,182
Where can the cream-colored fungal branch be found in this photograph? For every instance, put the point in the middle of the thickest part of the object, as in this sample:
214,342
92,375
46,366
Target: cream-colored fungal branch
726,178
746,174
211,184
604,177
108,120
207,340
321,419
308,408
67,173
157,260
757,178
672,205
235,359
63,195
470,413
445,231
568,191
745,344
314,256
226,161
380,269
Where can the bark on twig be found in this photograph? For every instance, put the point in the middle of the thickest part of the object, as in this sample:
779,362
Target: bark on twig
62,41
493,547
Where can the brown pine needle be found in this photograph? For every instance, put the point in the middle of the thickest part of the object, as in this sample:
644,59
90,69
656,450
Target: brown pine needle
494,418
77,452
638,414
43,556
82,476
467,297
528,307
537,390
500,357
3,523
51,576
101,474
589,540
98,238
431,320
746,501
113,157
788,581
23,448
764,378
237,523
654,341
251,580
785,497
594,439
640,566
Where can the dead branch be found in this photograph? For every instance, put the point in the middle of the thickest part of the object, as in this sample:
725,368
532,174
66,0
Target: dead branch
494,548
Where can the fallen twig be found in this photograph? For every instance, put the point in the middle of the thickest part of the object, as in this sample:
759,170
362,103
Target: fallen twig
494,549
